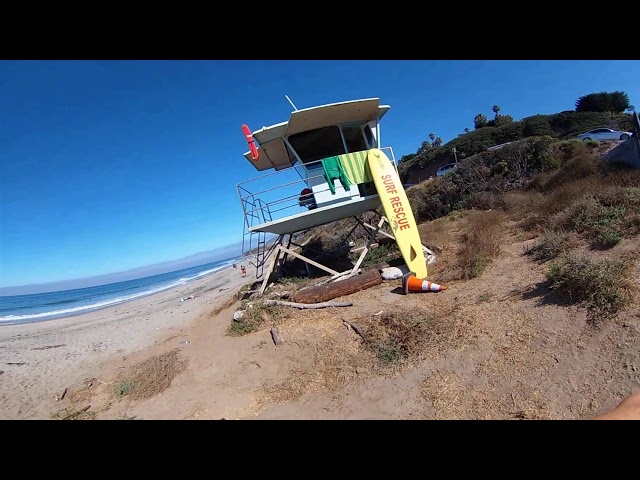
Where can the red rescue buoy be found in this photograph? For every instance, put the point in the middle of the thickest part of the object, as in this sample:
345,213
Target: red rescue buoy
251,142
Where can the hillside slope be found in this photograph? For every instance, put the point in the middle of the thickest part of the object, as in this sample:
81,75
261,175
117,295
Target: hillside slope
416,167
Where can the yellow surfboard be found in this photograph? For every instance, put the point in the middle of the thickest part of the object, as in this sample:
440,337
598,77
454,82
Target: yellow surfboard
398,211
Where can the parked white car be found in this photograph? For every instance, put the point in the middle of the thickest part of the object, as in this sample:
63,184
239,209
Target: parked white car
448,168
604,134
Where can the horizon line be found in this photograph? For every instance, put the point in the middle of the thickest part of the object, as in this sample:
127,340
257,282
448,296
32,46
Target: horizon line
157,265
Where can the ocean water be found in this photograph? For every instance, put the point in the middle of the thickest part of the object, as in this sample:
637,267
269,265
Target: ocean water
47,306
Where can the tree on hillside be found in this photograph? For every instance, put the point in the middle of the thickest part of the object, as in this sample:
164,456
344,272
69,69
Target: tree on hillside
631,109
437,142
424,147
496,110
480,121
406,157
502,120
466,130
432,136
615,102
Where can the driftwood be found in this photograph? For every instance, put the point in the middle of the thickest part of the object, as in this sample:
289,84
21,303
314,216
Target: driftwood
76,413
61,397
351,326
47,347
277,338
303,306
329,291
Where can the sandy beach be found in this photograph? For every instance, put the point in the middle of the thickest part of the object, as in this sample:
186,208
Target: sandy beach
39,360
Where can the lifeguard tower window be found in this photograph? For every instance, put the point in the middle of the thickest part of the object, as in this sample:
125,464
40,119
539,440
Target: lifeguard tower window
317,144
369,135
353,138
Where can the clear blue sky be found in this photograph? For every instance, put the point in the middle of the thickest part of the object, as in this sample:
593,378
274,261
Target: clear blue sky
111,165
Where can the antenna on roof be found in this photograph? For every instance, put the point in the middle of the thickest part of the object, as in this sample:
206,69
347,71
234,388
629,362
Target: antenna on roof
294,107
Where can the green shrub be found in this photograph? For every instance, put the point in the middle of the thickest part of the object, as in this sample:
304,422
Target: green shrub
602,285
551,245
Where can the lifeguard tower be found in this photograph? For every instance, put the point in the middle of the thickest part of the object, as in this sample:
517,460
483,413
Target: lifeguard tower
318,175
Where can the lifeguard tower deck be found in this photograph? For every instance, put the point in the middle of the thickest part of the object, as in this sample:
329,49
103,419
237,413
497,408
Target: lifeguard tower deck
319,174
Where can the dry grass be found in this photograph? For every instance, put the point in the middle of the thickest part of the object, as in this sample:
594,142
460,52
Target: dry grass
498,382
256,314
602,285
74,413
390,342
552,244
579,167
150,377
336,361
452,396
481,243
436,234
402,336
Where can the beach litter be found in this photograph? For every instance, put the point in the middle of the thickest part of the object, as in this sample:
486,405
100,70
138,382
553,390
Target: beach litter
190,297
184,342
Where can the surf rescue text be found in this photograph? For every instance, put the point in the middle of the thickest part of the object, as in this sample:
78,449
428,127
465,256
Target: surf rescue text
396,204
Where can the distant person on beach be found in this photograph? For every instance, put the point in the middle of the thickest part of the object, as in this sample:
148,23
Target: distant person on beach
627,409
235,266
243,270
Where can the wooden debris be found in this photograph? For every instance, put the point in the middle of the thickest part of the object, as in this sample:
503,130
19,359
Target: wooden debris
61,397
47,347
277,338
76,413
329,291
16,363
353,327
303,306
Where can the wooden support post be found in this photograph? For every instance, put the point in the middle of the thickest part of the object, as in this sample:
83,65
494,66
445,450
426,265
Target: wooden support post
272,264
372,236
308,260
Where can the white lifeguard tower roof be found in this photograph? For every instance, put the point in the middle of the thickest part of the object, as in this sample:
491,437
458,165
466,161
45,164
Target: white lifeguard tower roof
273,151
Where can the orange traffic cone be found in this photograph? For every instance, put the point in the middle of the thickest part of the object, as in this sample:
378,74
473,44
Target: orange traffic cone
410,283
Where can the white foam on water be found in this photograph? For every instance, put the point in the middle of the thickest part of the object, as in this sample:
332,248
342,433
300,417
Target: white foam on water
33,317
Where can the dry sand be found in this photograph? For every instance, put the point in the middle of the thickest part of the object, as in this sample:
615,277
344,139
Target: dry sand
40,360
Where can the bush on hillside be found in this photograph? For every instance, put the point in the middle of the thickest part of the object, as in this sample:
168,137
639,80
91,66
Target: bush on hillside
604,218
560,125
535,126
497,171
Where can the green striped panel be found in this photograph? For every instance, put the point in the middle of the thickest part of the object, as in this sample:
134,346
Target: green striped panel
356,167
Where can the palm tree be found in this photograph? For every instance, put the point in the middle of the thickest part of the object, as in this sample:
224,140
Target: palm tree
466,130
496,110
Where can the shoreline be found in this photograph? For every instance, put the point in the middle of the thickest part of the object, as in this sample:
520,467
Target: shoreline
40,359
88,309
